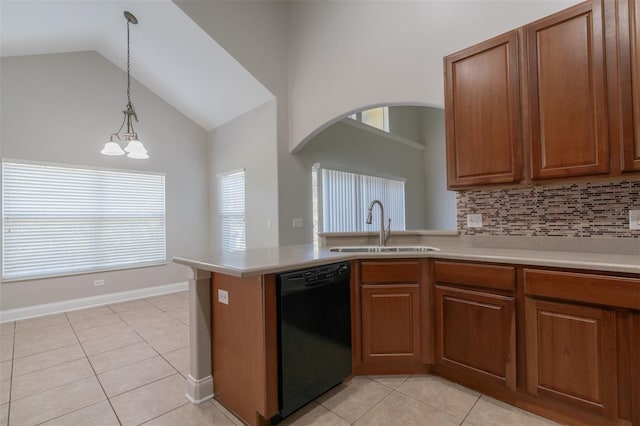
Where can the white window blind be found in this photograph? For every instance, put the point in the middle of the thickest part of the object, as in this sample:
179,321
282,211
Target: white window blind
344,199
231,202
59,220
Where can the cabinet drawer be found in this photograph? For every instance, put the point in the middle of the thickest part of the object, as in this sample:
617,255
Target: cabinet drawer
405,272
484,276
589,288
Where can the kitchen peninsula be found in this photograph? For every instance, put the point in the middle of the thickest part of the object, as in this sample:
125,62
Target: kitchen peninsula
472,286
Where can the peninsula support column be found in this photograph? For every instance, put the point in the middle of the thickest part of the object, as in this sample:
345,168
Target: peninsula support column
199,381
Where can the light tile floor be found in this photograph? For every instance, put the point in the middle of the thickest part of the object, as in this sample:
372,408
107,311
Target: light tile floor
125,364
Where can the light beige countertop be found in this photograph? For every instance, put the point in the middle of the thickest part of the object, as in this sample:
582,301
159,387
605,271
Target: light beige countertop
621,256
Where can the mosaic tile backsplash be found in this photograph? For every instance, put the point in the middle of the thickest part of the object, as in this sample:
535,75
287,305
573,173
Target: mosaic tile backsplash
599,209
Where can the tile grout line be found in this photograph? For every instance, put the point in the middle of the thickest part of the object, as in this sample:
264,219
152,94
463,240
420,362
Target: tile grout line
13,352
150,345
52,366
387,386
359,417
44,352
470,410
433,406
154,381
141,386
233,420
96,375
160,355
94,372
55,387
163,414
392,388
128,363
71,412
86,357
423,402
67,362
374,405
117,347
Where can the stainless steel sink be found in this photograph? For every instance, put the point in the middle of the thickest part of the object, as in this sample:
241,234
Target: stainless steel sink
383,249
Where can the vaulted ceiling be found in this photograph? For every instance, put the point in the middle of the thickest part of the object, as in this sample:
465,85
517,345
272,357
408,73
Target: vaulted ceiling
170,54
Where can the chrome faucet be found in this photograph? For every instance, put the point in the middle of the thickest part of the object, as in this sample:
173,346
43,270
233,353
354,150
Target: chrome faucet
384,235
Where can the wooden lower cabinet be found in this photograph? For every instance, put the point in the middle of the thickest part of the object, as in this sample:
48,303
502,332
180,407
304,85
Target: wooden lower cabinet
392,332
475,334
571,355
391,323
244,347
634,360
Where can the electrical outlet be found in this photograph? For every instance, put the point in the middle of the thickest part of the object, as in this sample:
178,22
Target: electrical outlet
223,296
474,220
268,223
634,219
98,283
297,222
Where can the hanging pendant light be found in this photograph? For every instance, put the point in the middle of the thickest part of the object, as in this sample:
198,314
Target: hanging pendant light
132,145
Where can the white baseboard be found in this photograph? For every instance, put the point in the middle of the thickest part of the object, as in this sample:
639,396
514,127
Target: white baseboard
89,302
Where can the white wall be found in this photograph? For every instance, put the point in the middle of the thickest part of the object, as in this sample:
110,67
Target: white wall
61,108
357,150
347,55
440,204
323,59
248,142
405,121
256,34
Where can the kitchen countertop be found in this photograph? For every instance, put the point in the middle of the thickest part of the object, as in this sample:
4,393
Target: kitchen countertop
279,259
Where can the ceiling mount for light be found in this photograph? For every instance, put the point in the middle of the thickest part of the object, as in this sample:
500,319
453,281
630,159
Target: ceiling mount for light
133,147
130,17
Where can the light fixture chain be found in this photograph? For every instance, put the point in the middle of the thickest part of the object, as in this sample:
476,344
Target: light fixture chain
128,66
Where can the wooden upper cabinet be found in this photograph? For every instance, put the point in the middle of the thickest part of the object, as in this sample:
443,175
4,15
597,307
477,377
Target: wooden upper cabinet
567,104
628,24
482,108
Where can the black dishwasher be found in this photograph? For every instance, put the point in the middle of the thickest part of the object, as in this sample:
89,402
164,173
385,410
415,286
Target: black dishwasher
314,333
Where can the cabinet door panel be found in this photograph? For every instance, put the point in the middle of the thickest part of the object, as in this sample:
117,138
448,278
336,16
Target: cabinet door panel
567,96
482,109
391,323
629,56
475,332
635,372
571,354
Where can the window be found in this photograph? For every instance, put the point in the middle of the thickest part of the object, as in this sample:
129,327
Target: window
59,220
341,201
375,117
231,210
